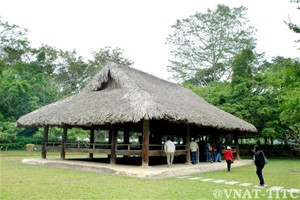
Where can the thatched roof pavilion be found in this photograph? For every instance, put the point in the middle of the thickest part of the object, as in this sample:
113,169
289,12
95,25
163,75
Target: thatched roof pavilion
120,94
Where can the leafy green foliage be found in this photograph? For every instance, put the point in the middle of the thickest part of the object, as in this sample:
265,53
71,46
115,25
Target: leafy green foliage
282,79
266,96
108,54
55,134
204,44
294,27
33,77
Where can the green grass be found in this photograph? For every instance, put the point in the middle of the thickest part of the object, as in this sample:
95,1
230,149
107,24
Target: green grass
21,181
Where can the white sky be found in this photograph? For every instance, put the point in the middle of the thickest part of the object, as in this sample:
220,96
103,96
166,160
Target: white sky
140,27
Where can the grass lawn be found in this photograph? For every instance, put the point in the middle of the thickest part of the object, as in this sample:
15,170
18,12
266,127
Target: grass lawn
21,181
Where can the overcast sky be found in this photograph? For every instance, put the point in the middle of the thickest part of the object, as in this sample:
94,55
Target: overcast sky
140,27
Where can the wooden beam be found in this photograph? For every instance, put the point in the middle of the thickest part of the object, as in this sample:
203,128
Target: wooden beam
113,157
63,143
188,140
45,140
92,140
145,145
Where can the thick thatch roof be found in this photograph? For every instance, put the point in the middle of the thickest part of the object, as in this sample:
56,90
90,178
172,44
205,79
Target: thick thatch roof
120,94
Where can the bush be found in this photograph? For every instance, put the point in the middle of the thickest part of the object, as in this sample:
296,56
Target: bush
270,150
20,143
29,146
12,146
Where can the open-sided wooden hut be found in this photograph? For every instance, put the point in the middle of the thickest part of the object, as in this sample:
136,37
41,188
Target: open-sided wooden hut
121,98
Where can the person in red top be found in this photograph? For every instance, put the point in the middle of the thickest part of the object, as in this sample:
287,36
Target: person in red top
228,157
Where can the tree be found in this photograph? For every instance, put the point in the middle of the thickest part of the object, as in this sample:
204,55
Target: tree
13,42
204,44
25,82
242,66
294,27
283,77
24,85
72,73
267,95
293,133
33,77
109,54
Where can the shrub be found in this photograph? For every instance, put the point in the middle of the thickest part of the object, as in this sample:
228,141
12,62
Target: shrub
29,146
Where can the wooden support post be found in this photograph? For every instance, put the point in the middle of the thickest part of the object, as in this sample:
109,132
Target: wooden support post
188,140
126,135
92,141
236,142
109,141
238,152
145,145
63,144
45,140
126,140
113,156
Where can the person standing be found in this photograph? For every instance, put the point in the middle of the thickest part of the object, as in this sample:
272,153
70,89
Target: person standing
228,157
254,148
170,151
208,151
219,152
194,148
259,160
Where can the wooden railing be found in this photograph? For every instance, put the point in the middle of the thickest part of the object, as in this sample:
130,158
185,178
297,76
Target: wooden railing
125,149
122,149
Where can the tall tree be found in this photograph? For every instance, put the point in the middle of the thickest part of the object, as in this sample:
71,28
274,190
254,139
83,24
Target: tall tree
267,96
283,77
294,27
109,54
72,73
25,83
281,83
34,77
13,42
204,44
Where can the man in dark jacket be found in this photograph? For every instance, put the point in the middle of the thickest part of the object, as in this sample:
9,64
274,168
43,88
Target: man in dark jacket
260,163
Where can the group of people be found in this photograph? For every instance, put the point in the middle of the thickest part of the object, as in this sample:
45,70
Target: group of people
258,156
170,148
213,154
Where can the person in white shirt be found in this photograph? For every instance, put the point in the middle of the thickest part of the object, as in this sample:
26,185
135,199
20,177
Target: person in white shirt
170,151
193,148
